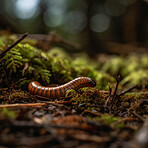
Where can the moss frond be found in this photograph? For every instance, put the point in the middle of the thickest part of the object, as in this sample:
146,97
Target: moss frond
13,60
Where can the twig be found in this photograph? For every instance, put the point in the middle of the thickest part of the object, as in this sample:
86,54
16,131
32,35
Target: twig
14,44
22,105
91,112
94,138
135,114
32,104
127,119
104,92
63,102
115,91
25,68
128,90
110,91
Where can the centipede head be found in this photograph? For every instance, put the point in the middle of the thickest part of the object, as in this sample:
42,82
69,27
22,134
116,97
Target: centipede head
91,83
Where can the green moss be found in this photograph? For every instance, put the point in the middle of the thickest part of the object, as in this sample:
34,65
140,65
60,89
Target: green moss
111,120
102,79
58,66
8,113
144,61
136,77
113,65
2,44
86,98
13,60
58,52
125,65
38,64
61,68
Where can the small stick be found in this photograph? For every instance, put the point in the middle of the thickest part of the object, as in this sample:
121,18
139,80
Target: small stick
22,105
128,90
115,91
91,112
134,113
110,91
126,119
25,68
31,104
14,44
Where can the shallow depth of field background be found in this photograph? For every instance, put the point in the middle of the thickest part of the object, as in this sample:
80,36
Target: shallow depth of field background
86,22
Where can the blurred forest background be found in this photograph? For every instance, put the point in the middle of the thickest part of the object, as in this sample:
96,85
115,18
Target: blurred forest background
113,26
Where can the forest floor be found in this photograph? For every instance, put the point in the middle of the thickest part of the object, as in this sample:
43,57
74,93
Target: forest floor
109,115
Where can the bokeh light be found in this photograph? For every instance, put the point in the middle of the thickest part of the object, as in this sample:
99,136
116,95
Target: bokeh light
54,15
100,22
75,21
56,6
53,20
26,9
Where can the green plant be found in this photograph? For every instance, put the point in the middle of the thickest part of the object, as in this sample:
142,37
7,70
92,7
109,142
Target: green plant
13,60
8,113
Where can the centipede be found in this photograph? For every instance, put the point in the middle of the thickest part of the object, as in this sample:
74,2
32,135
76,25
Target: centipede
35,88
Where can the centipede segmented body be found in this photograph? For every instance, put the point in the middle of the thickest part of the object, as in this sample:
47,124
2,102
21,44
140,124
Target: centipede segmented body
36,88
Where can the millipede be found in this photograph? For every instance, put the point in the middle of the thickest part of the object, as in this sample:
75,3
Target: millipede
37,89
